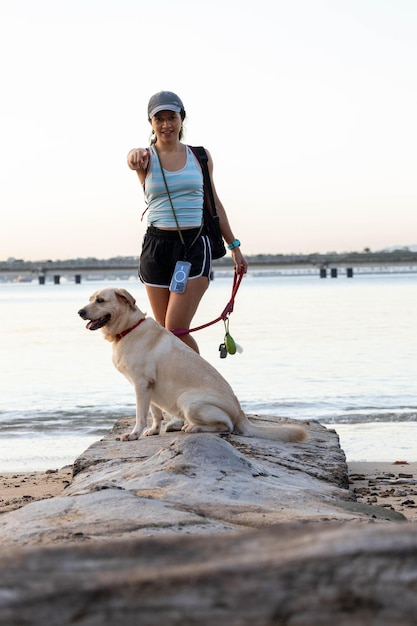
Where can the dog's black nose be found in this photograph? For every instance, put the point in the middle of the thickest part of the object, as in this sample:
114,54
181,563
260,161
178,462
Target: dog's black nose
82,313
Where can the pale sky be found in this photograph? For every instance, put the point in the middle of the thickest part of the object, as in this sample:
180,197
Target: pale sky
308,108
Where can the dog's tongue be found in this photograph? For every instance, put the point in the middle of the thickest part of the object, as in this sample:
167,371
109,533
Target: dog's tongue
95,324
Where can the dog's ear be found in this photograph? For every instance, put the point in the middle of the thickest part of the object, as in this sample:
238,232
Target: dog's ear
93,297
126,297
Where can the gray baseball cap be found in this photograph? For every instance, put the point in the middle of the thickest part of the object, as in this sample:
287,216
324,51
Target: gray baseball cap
164,101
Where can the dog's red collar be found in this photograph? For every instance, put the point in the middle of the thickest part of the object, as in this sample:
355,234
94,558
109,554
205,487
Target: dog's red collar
127,331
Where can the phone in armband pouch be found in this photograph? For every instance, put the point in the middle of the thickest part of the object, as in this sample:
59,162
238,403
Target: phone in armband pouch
180,276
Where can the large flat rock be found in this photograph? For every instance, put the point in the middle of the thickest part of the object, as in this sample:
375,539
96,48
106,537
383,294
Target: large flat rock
204,483
317,575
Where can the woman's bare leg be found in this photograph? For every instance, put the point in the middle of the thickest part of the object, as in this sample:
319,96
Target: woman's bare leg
183,306
158,298
176,310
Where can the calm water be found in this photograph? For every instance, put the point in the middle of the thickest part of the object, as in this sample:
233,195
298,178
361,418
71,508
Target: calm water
342,351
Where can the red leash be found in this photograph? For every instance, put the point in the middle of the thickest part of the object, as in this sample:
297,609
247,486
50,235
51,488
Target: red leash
237,279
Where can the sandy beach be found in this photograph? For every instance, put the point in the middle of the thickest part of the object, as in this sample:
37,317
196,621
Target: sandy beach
20,488
390,485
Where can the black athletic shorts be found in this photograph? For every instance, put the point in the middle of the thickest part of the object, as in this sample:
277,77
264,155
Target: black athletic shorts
161,249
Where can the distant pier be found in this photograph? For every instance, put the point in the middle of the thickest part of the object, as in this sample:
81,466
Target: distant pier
331,265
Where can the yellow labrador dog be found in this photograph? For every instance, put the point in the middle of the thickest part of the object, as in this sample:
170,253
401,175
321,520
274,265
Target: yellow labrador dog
168,375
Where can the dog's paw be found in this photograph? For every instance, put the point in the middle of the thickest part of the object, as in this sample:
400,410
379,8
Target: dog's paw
192,428
150,431
129,437
174,424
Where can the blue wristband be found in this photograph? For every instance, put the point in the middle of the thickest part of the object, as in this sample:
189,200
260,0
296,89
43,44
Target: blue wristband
235,244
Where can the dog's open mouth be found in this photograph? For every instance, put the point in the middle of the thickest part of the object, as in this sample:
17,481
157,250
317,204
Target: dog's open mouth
96,324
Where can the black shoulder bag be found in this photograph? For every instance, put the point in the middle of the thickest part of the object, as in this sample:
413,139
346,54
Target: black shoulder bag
210,218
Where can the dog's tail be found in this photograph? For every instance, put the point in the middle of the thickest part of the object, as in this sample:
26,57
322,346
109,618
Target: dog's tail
286,432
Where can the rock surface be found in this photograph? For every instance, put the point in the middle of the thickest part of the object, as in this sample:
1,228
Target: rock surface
206,529
321,575
200,483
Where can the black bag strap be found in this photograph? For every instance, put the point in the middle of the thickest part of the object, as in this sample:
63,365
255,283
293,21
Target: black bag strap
201,155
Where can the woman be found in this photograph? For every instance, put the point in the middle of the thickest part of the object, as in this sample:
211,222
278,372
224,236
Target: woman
170,164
